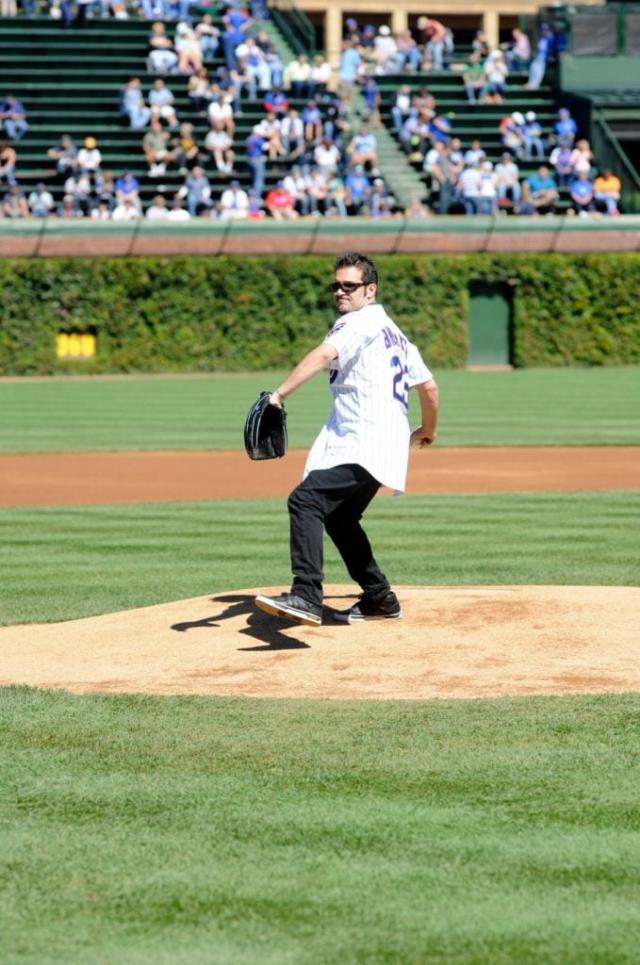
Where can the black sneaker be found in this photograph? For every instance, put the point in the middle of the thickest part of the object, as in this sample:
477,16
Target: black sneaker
291,607
385,607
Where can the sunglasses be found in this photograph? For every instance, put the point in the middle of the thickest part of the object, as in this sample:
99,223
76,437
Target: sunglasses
348,287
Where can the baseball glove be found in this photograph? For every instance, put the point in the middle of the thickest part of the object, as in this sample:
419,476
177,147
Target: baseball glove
265,431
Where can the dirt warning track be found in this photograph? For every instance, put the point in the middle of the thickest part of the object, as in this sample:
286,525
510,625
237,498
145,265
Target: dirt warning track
123,477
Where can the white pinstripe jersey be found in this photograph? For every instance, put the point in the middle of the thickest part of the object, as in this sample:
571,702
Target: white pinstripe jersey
370,381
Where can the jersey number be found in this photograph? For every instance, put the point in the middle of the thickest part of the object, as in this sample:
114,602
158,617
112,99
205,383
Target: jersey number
400,387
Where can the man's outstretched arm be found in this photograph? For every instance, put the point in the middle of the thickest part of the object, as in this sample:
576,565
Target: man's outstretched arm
315,361
425,434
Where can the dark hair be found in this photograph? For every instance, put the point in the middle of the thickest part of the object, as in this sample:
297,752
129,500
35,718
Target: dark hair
353,259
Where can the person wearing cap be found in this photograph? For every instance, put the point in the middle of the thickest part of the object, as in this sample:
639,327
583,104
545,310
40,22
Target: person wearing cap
234,203
385,50
496,72
565,128
358,188
363,148
90,161
532,134
349,69
255,148
544,50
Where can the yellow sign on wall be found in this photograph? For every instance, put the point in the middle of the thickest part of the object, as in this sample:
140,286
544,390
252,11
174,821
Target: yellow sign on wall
75,345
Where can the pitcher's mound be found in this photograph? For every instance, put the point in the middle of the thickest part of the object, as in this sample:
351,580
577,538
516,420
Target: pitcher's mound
453,641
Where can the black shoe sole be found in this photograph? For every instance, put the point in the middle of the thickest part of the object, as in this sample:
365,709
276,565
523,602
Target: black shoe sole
349,618
295,616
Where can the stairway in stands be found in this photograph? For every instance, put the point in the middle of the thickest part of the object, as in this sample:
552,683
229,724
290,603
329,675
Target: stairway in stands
70,79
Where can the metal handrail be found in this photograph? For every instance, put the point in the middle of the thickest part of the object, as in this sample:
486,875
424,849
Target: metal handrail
294,24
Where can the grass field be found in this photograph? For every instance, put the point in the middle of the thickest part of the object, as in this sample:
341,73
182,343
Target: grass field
524,407
180,831
198,830
61,563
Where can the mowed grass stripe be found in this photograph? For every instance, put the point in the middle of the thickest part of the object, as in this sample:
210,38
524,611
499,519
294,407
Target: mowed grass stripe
65,563
146,830
524,407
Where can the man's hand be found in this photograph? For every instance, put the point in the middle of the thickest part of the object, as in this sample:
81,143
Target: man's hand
422,437
276,399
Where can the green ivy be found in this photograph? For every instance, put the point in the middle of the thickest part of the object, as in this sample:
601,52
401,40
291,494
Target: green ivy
226,314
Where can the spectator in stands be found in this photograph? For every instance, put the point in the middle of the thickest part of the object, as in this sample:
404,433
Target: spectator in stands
232,37
544,50
480,45
321,72
371,94
540,189
565,128
101,211
507,177
363,149
69,208
162,102
199,91
512,133
78,187
197,190
385,50
349,70
336,199
561,160
292,135
234,203
475,154
434,35
312,120
474,80
582,194
155,148
255,211
40,201
177,212
518,50
157,211
445,172
127,186
496,71
255,151
488,195
298,77
469,186
270,130
400,107
380,201
276,101
221,109
132,104
14,117
65,154
187,47
220,145
532,136
126,210
296,184
253,57
318,191
408,54
161,59
90,162
327,157
582,158
208,36
358,189
184,149
607,189
279,203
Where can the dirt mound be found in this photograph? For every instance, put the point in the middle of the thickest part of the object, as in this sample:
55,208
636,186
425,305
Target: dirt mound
455,641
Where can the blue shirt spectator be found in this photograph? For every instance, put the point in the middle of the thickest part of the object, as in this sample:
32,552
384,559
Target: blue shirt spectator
565,128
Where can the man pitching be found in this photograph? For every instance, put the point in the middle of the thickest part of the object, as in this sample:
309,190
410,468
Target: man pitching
363,446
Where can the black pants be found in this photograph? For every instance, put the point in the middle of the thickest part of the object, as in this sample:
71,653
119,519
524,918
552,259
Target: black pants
332,499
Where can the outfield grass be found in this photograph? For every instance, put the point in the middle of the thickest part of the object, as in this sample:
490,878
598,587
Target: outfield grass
163,830
524,407
63,563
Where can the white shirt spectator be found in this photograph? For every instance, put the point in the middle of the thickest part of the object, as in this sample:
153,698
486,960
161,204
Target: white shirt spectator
89,159
220,111
234,203
126,211
178,214
326,157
